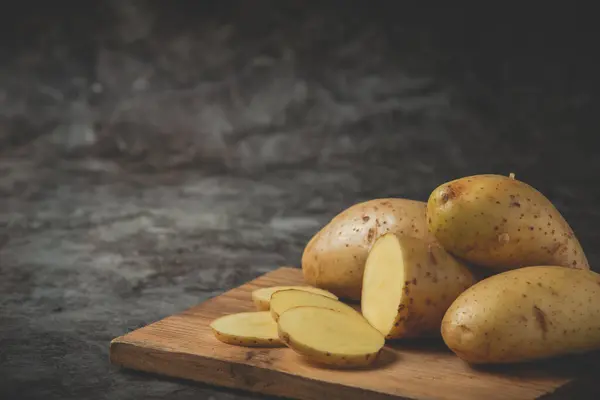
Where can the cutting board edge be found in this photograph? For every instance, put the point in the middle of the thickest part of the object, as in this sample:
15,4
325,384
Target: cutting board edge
243,379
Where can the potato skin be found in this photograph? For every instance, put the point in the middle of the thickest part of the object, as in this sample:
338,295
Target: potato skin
334,258
502,224
524,315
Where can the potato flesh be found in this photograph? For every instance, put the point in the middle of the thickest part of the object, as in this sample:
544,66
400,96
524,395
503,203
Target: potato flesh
284,300
330,337
526,314
252,329
262,297
382,284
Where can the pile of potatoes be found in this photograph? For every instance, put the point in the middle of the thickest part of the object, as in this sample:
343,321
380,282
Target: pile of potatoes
488,263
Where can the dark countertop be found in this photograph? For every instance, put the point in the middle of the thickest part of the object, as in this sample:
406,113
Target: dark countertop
153,157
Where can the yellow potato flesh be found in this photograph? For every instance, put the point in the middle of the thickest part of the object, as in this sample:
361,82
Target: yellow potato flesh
383,283
262,297
251,329
330,337
408,286
283,300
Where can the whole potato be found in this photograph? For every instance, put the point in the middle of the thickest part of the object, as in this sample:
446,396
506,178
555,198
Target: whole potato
525,314
501,223
334,259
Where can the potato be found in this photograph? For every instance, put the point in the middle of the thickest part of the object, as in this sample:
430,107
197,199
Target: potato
330,337
250,329
262,297
525,314
283,300
501,223
334,258
408,285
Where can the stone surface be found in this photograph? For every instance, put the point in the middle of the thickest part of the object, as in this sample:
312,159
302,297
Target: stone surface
152,157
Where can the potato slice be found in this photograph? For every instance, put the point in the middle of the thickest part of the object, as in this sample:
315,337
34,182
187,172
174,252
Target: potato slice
330,337
285,299
262,297
409,284
249,329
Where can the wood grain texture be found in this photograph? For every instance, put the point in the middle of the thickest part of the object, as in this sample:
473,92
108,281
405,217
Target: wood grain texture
184,346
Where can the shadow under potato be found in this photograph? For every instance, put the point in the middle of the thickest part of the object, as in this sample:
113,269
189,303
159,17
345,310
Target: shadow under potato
425,345
569,366
385,358
565,367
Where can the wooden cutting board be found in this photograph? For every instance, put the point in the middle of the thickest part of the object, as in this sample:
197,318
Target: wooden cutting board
183,346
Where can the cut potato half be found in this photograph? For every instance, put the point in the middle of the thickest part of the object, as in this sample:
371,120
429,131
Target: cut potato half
262,297
249,329
409,284
330,337
283,300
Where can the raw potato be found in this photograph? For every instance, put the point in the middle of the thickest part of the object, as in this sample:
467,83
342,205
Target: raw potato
262,297
330,337
334,258
250,329
524,315
408,286
283,300
501,223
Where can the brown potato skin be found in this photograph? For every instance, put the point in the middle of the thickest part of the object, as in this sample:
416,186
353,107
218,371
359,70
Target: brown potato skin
526,314
334,258
501,223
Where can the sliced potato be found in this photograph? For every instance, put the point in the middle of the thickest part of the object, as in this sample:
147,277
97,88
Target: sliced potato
335,257
249,329
283,300
330,337
408,286
262,297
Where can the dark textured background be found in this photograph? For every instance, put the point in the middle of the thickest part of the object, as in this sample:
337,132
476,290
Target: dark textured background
154,154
